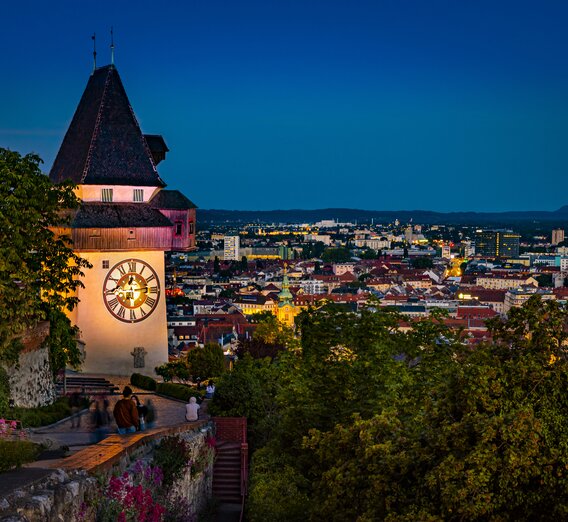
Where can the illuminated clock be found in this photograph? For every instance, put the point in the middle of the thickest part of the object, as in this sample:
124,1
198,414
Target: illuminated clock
131,290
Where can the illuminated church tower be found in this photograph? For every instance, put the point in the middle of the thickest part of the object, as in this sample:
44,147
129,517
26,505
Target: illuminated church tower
286,311
124,224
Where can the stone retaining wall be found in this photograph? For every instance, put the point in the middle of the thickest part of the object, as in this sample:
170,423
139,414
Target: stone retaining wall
30,380
67,493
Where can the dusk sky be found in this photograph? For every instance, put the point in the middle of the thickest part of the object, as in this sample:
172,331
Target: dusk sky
280,104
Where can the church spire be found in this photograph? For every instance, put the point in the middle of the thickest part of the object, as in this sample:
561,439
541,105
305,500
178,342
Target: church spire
285,296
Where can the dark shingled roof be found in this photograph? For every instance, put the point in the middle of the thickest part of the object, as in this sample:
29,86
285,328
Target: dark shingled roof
119,215
104,144
171,200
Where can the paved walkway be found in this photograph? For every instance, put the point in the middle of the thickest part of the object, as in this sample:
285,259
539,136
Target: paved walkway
169,412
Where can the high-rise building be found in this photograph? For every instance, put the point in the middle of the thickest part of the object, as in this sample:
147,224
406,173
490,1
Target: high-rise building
497,243
124,224
557,236
231,246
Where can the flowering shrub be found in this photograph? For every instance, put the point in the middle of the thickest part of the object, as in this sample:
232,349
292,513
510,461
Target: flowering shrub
133,497
9,429
165,490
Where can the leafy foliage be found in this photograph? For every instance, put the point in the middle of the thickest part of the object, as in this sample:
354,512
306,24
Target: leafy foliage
175,370
38,269
408,426
336,255
143,381
14,453
177,391
206,362
422,262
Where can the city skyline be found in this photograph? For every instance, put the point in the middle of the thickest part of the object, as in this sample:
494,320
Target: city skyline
375,106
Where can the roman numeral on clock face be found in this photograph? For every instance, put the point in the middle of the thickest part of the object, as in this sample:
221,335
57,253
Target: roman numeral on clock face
150,301
133,315
113,303
132,266
121,269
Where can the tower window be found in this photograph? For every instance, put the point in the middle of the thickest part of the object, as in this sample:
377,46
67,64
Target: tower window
178,228
106,195
138,195
190,228
105,263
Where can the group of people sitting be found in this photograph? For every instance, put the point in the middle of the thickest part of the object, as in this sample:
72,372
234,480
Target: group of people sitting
130,415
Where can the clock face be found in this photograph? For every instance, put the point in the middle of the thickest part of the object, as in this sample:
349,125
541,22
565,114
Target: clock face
131,290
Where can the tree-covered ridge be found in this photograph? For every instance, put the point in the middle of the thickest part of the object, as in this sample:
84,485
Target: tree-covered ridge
39,271
365,422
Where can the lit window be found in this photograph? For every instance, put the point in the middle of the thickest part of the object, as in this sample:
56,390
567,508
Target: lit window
106,195
138,195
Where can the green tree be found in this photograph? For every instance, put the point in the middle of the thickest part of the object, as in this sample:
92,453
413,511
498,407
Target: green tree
39,271
336,255
244,264
369,253
422,262
206,362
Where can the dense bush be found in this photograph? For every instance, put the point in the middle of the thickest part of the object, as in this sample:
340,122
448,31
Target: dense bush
172,456
174,370
14,453
42,416
177,391
143,381
206,362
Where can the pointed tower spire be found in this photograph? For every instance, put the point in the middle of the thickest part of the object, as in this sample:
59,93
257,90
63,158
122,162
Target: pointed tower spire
111,46
285,296
94,38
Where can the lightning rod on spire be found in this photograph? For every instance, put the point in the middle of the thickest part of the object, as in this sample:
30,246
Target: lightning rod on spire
94,38
111,46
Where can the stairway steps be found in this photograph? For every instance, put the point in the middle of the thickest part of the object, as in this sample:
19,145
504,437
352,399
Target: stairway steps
227,472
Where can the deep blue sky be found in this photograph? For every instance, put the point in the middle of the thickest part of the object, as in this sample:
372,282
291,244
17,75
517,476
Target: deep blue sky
374,104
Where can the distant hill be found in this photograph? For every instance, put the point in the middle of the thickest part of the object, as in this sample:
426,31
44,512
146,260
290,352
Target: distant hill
347,215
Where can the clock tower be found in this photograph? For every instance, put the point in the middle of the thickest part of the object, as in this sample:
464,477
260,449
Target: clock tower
125,223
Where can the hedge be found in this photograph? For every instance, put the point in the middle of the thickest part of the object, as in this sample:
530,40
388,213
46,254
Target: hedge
143,381
42,415
177,391
14,453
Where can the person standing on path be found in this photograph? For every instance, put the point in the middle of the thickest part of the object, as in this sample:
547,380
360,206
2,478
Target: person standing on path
125,413
75,404
151,415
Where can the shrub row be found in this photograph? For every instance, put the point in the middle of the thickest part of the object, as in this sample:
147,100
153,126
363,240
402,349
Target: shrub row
44,415
14,453
143,381
178,391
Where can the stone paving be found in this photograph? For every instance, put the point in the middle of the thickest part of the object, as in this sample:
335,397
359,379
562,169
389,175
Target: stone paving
169,412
